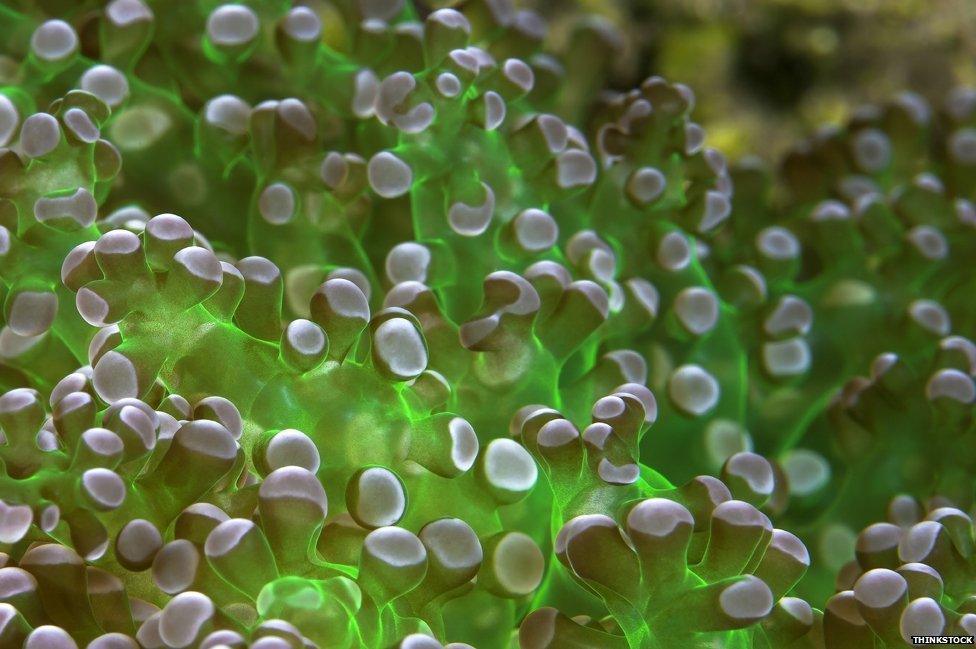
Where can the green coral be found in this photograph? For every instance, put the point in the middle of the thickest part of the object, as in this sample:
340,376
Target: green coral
420,363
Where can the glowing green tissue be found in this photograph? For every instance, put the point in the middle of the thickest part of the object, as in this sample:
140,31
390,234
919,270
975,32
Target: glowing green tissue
361,324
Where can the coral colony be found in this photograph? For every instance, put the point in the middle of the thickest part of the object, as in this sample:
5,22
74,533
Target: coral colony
356,326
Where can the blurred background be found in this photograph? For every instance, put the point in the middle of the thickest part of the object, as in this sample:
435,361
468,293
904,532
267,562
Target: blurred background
767,72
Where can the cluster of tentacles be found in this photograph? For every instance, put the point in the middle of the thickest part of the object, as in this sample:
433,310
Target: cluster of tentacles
324,326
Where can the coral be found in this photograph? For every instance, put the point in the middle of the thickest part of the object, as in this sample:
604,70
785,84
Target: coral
859,248
911,576
324,327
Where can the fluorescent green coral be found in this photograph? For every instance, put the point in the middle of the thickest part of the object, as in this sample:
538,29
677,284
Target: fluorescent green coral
419,363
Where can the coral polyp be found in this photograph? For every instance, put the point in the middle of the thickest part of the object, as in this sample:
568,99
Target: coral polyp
370,325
